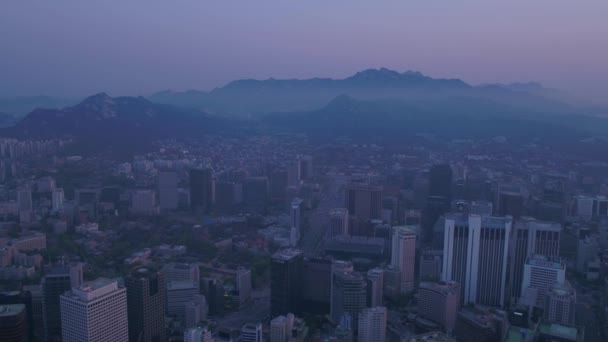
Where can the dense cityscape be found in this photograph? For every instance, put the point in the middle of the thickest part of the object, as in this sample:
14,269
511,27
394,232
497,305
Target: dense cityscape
303,171
275,238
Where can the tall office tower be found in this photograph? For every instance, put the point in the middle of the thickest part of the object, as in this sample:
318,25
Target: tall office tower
586,251
179,293
167,190
277,183
306,167
95,311
201,189
510,200
430,265
146,305
403,255
286,268
475,255
198,334
481,324
23,297
316,285
58,280
24,200
348,292
530,237
255,191
182,271
281,328
560,304
372,324
439,303
57,199
13,323
392,282
143,202
439,198
338,222
196,310
540,274
37,317
293,174
243,284
225,195
364,203
214,293
296,213
375,287
252,333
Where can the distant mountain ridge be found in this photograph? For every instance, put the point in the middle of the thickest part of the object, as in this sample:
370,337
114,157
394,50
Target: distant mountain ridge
113,122
251,97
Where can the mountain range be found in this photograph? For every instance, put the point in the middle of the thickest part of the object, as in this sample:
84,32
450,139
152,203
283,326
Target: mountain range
370,104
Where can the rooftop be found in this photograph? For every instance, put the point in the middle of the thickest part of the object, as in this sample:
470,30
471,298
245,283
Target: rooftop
546,262
91,290
181,284
560,330
286,254
11,309
434,336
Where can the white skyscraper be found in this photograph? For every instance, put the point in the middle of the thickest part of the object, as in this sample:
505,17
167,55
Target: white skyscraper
560,304
281,327
252,333
540,275
475,255
96,311
372,324
58,199
179,293
296,212
403,255
243,284
198,334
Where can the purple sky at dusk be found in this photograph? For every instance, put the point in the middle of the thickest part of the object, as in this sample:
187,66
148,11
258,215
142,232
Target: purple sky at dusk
76,48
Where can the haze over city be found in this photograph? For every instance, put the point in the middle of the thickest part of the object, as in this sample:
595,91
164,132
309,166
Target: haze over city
74,49
306,171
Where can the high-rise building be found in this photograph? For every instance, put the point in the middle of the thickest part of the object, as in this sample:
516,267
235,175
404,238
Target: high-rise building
475,256
530,237
403,255
255,191
586,251
481,324
196,310
179,293
214,293
243,284
392,282
560,304
510,200
37,317
306,167
57,199
286,268
182,271
143,202
58,280
338,222
375,287
439,198
201,189
316,285
348,292
540,274
296,213
281,328
167,190
439,303
198,334
95,311
13,323
24,200
372,324
364,203
252,333
146,305
277,182
430,265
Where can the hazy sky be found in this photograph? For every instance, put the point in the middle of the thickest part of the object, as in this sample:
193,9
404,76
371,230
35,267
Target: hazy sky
130,47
